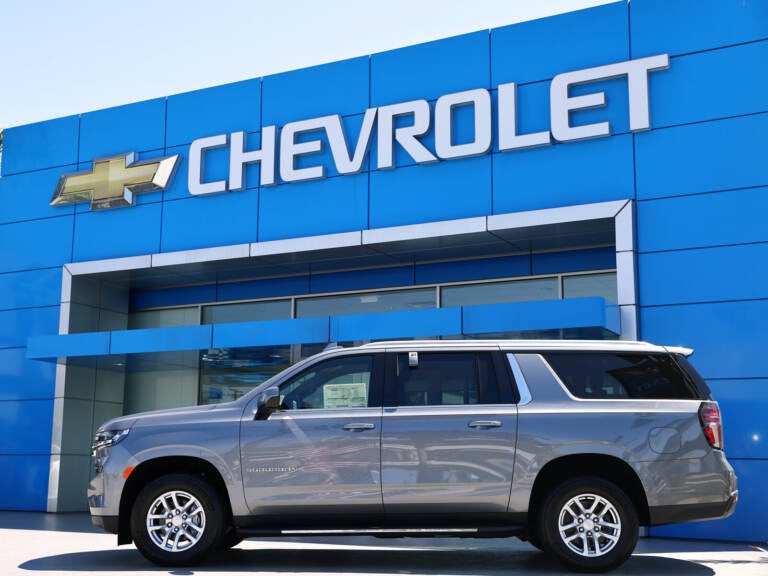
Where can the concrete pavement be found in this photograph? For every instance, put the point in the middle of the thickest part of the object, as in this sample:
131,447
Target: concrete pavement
67,544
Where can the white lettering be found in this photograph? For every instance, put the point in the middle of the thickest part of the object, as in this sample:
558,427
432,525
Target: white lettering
338,143
480,100
290,150
406,136
509,139
265,156
197,152
637,80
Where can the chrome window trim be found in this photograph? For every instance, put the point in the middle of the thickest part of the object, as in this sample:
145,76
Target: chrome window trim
522,385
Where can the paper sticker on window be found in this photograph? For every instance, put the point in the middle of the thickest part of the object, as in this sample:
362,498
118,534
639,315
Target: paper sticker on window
345,395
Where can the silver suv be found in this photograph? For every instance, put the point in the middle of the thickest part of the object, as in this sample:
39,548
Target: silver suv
570,445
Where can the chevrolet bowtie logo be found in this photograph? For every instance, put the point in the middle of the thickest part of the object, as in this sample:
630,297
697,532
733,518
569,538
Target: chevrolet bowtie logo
113,181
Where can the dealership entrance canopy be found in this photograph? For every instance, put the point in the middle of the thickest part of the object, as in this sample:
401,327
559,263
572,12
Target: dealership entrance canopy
598,174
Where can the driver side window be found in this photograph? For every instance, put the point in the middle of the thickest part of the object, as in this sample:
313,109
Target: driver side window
337,383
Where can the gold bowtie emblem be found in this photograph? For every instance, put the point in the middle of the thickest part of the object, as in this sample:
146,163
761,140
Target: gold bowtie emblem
113,181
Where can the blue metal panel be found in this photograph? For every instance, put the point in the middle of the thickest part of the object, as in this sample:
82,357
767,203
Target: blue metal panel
218,110
744,404
30,289
692,25
336,88
540,49
173,296
748,522
25,427
27,196
18,325
271,332
362,279
41,145
23,379
133,127
704,275
55,346
266,288
36,244
326,207
473,269
117,232
542,315
451,189
563,175
215,220
574,260
710,85
161,339
401,324
729,338
733,217
432,69
27,487
705,157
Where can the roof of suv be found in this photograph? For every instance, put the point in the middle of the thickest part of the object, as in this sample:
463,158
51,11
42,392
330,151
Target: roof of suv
575,345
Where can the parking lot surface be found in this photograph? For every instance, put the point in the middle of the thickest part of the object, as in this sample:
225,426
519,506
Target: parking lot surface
67,544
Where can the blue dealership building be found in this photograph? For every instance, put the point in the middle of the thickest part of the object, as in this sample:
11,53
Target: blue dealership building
598,174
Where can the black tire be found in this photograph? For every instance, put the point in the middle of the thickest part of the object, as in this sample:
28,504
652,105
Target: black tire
194,535
610,538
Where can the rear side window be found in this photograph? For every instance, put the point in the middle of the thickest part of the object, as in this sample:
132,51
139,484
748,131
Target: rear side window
619,375
445,379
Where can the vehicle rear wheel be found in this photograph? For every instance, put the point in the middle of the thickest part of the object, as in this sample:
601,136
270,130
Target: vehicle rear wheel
589,524
177,519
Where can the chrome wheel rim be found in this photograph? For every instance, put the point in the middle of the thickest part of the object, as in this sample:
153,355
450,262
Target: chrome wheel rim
589,525
176,521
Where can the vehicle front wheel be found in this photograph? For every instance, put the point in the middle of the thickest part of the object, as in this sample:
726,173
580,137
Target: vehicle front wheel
589,524
177,519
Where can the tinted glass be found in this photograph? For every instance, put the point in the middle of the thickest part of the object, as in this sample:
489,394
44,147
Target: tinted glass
618,375
446,379
500,292
338,383
366,302
586,285
188,316
247,312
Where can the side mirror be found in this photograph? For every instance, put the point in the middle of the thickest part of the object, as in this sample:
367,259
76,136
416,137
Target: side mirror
269,401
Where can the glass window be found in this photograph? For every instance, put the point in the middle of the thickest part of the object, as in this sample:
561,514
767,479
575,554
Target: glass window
446,379
338,383
247,312
500,292
620,375
187,316
366,302
591,285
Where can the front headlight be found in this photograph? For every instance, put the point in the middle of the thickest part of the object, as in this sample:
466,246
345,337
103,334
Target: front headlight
106,439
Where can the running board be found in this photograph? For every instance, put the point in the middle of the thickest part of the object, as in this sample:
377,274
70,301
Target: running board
476,532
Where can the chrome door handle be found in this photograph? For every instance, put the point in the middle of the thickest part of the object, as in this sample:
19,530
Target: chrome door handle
485,424
356,426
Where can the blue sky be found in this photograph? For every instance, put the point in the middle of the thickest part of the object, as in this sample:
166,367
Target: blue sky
67,57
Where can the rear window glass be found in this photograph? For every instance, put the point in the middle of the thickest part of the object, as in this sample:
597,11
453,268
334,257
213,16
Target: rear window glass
620,375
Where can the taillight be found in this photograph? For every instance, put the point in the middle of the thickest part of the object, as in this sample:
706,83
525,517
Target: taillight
712,424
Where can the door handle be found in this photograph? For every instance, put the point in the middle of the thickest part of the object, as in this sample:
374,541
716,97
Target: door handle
357,426
485,424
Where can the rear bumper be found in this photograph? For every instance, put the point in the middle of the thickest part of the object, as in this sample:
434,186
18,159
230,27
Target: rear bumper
107,523
661,515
